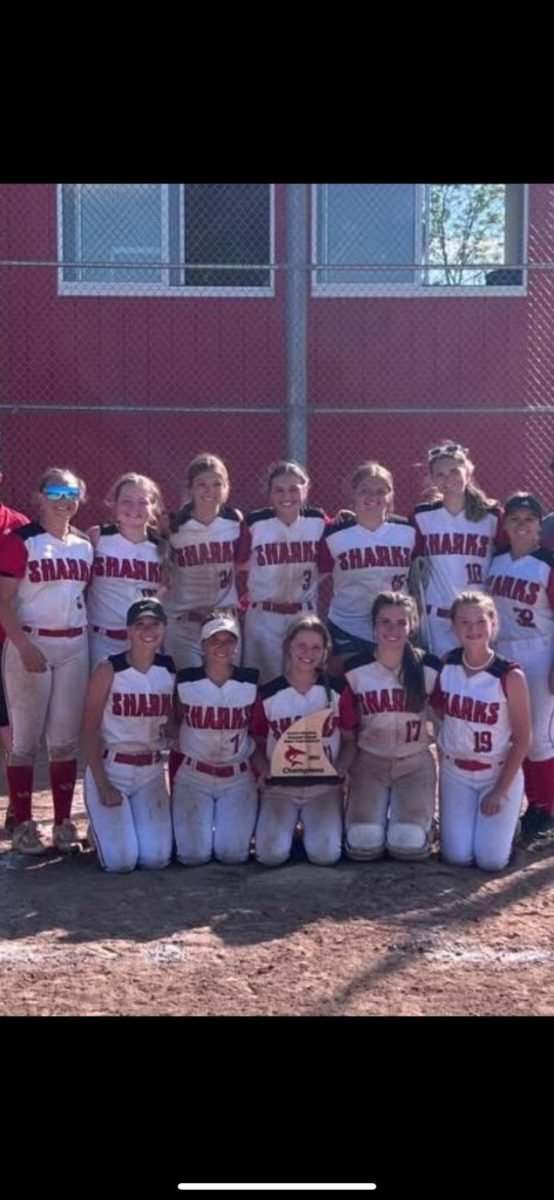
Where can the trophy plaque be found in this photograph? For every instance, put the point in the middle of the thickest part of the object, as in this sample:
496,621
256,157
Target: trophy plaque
299,758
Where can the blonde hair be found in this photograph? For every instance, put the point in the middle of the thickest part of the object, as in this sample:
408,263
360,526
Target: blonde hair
287,467
142,481
309,624
484,601
477,503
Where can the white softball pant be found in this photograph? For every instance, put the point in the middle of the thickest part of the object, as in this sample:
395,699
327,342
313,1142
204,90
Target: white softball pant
320,811
441,637
263,640
136,833
182,642
50,701
101,646
466,834
213,818
390,806
534,656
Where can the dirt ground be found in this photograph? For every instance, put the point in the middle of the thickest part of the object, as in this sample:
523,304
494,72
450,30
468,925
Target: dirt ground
373,939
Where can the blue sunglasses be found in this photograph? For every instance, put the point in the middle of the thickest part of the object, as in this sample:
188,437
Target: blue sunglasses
62,491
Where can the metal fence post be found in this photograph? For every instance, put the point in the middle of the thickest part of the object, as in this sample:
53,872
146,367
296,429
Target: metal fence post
296,306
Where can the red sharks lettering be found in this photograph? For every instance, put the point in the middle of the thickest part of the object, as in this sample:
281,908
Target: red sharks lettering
137,704
50,570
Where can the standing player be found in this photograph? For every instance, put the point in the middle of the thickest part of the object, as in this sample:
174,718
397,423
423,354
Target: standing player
484,738
393,779
304,688
203,540
127,562
456,536
214,797
521,580
9,519
128,703
368,553
279,549
44,569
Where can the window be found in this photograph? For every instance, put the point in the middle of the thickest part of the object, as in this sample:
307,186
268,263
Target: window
204,238
399,239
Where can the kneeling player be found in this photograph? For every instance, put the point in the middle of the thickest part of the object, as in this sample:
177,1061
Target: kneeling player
214,796
393,780
129,701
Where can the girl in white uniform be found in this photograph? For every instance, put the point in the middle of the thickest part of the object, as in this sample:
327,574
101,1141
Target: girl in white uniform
522,584
129,701
214,795
127,562
278,550
45,567
484,738
456,538
203,540
304,688
393,779
368,553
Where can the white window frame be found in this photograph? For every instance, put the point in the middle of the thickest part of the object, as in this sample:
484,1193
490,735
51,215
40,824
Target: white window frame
160,288
418,289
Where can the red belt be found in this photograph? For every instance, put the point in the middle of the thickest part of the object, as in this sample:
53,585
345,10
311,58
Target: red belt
67,633
468,764
269,606
210,769
135,760
439,612
120,635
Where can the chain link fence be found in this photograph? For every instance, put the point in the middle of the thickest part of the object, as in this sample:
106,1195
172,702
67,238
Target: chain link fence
143,323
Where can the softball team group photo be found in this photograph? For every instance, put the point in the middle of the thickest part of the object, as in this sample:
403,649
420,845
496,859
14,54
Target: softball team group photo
174,650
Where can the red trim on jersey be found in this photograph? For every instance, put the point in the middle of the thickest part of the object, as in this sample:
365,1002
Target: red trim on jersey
259,725
243,544
13,556
324,559
348,710
11,519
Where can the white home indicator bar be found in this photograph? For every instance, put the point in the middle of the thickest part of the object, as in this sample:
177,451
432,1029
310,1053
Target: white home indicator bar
277,1187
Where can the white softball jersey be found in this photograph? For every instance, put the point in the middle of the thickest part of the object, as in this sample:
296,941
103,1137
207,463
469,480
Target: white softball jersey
42,562
138,706
523,591
122,572
279,704
364,562
476,723
282,558
459,551
203,560
216,719
386,727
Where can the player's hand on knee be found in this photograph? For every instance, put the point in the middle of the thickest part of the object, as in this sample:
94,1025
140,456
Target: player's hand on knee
33,658
492,803
111,797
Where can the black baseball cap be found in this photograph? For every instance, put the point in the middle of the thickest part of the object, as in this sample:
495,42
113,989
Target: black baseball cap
525,500
146,608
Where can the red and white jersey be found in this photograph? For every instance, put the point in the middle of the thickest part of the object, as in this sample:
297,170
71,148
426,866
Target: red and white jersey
216,719
122,572
279,704
203,560
282,558
138,706
459,551
54,573
523,591
10,519
474,708
364,562
387,728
